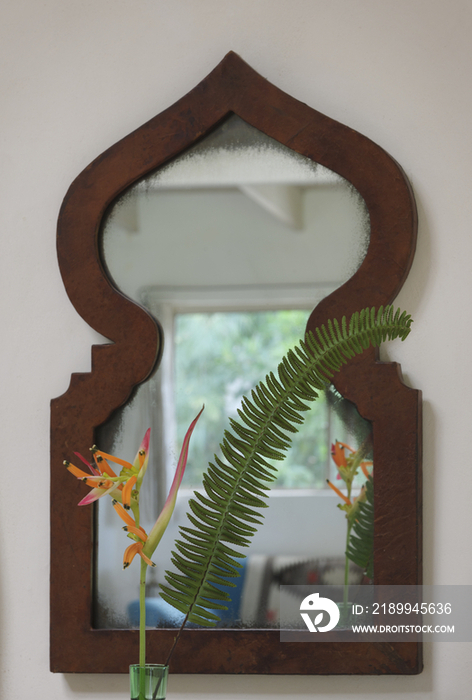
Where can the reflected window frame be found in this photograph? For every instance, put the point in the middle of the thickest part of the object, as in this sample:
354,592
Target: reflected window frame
165,306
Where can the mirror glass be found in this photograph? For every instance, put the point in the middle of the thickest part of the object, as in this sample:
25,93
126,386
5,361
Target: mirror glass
230,246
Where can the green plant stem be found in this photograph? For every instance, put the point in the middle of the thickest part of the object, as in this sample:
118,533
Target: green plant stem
348,535
142,614
142,628
346,570
176,639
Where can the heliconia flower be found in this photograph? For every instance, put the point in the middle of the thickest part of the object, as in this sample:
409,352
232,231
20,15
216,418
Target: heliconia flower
136,533
131,474
162,521
99,481
104,481
130,553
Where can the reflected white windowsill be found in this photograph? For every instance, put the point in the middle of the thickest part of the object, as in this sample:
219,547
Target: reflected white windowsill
286,493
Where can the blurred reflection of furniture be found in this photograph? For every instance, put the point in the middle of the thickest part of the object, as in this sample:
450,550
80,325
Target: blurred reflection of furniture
257,597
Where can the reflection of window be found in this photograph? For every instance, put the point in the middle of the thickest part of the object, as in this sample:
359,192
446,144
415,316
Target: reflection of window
221,356
219,343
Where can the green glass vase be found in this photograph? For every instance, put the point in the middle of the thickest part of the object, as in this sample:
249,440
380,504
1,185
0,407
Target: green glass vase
148,682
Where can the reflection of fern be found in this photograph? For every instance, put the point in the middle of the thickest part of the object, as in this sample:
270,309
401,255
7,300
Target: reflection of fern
225,514
361,544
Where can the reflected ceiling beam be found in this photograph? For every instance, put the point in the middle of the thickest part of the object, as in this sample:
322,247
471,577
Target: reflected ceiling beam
285,202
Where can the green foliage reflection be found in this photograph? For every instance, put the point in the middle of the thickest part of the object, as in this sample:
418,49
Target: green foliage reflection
221,356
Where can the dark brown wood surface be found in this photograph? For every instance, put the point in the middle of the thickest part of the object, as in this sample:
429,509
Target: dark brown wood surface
376,388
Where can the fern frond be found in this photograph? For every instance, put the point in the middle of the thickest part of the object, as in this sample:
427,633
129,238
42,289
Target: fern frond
234,487
361,543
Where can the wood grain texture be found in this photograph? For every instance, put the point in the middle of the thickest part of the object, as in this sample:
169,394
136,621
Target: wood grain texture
135,348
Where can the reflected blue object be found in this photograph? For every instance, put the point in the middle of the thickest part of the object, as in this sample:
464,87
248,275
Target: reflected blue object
230,616
158,614
161,614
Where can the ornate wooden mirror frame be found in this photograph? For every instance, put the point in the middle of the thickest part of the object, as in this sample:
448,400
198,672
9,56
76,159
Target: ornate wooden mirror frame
376,388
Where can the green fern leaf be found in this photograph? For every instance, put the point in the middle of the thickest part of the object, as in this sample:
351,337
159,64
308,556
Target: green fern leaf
235,486
361,543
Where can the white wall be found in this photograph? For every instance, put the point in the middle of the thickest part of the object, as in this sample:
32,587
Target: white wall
78,75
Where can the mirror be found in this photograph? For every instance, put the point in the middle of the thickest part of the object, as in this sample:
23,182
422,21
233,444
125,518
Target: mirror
89,407
229,246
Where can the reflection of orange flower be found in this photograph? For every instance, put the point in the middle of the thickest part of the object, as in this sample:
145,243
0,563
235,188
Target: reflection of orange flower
345,463
338,454
339,493
347,469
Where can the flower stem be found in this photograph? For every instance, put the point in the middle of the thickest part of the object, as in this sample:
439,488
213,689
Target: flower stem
142,629
346,570
348,535
142,613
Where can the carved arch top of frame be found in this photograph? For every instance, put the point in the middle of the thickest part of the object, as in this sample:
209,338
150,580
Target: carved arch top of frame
234,87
